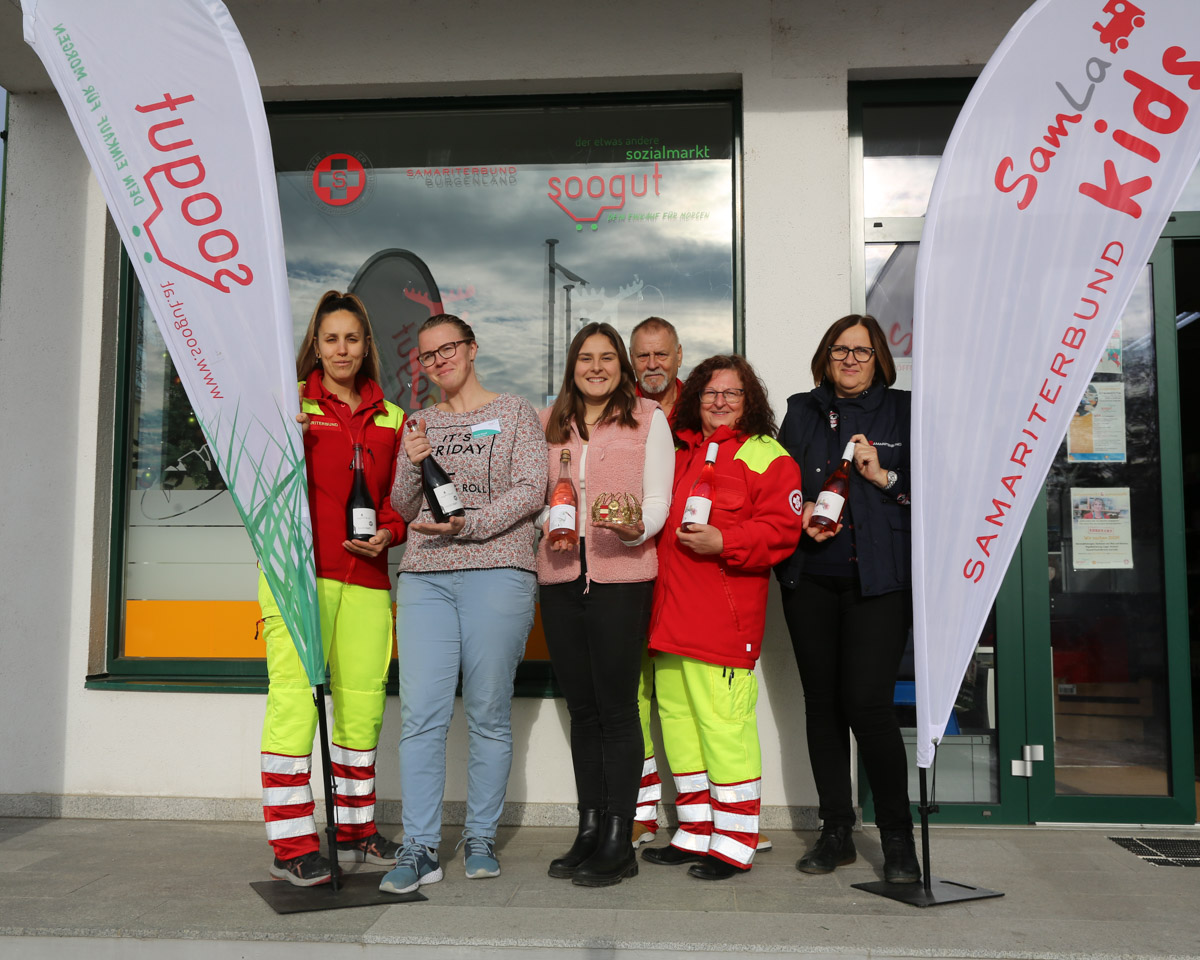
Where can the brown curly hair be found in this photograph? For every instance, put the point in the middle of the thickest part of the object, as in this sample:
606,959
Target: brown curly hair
757,419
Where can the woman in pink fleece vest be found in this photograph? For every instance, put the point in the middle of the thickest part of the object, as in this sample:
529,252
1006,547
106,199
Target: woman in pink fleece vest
596,594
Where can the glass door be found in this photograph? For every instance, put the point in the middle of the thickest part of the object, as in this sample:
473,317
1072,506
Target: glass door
1107,687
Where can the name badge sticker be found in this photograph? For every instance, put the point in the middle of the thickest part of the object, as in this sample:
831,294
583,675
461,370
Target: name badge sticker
489,428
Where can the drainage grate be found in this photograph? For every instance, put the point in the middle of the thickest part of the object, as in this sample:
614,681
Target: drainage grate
1162,851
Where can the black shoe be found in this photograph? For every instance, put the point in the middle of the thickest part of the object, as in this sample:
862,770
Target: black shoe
671,856
614,859
834,848
586,841
713,869
306,870
373,849
900,864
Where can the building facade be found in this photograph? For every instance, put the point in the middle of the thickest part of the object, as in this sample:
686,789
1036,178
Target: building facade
750,171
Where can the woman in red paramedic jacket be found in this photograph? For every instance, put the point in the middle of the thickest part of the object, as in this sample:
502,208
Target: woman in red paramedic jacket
709,611
341,405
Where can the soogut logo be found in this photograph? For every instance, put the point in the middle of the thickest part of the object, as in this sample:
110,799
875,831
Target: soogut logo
174,187
608,193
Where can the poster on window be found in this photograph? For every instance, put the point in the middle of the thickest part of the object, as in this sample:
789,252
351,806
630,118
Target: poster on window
1101,534
1097,429
1110,360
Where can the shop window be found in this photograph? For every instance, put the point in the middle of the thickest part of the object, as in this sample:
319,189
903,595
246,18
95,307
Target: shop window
528,219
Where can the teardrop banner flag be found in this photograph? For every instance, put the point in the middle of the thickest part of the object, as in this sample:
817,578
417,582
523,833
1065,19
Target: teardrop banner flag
1062,169
166,103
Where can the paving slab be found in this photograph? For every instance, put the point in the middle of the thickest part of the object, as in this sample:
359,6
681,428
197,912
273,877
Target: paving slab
113,887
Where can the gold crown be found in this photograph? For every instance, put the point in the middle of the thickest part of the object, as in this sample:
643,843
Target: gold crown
617,508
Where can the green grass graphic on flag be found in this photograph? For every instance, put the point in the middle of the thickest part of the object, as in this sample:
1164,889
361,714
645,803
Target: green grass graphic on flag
271,494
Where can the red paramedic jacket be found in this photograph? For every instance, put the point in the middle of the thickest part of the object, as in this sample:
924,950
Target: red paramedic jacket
329,453
713,608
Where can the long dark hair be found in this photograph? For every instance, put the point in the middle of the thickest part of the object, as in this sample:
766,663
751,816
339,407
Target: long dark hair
885,366
757,418
331,301
569,404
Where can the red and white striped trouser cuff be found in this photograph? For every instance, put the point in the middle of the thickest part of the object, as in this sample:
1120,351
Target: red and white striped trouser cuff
649,793
694,811
288,805
735,808
354,791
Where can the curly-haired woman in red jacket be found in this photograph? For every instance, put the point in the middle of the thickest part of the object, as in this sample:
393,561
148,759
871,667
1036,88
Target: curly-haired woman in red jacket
710,608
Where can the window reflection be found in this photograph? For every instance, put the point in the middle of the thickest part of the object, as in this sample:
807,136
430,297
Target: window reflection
902,146
891,276
424,212
1190,199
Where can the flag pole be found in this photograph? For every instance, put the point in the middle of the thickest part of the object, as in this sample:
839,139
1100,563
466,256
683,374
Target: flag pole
330,788
930,891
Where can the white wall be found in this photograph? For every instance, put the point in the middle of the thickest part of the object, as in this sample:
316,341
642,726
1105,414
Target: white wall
791,59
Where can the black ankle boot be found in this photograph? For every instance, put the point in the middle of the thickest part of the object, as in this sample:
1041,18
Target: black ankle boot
834,848
614,859
586,841
900,864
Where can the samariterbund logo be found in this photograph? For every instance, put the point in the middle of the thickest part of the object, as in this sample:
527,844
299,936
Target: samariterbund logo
341,182
175,187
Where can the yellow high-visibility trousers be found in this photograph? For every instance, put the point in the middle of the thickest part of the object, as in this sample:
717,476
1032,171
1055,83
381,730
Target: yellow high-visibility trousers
356,636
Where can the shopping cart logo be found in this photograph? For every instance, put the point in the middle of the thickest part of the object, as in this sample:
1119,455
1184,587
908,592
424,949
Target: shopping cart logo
578,197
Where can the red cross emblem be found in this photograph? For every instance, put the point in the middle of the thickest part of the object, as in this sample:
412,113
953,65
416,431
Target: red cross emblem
339,179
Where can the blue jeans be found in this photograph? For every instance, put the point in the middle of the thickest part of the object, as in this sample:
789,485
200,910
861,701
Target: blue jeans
477,621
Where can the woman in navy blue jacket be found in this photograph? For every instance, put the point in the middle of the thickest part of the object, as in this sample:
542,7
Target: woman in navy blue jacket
847,592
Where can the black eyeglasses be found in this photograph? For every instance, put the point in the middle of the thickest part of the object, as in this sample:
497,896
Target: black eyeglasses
446,350
731,396
861,354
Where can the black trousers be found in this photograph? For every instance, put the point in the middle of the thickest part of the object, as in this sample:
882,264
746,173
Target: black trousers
848,648
596,635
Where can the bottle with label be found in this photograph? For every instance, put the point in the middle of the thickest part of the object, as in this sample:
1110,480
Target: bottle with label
831,501
360,508
564,502
700,500
440,492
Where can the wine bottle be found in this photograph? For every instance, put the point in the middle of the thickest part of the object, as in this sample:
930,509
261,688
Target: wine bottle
563,504
700,500
440,492
360,507
831,501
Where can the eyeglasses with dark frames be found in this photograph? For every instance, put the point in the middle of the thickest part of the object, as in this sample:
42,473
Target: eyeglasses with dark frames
731,396
446,351
861,354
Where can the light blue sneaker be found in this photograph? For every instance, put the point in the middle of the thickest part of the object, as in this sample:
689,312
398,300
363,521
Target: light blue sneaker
416,866
481,859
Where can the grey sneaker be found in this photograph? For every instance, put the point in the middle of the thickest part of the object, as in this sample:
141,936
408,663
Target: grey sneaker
481,859
306,870
416,866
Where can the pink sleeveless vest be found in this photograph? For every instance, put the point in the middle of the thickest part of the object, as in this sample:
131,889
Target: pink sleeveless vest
615,463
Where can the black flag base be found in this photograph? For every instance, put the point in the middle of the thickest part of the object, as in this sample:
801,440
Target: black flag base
927,893
353,890
930,891
343,889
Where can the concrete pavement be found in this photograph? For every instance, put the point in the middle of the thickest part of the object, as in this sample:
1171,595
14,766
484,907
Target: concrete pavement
106,888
